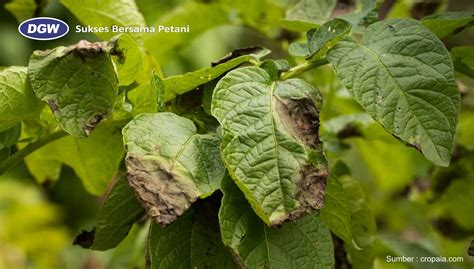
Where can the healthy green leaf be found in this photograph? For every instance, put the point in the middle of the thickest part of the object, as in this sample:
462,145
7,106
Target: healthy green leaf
448,23
187,243
106,13
17,100
308,14
10,136
298,49
201,16
157,85
116,217
25,9
128,60
337,213
403,76
305,243
169,165
463,58
79,83
95,160
181,84
325,37
271,143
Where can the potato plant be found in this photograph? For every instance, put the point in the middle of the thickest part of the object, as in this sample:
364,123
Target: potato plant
236,165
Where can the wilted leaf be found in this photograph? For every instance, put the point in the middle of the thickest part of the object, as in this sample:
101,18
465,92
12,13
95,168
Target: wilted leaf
271,143
403,76
305,243
169,165
17,100
78,83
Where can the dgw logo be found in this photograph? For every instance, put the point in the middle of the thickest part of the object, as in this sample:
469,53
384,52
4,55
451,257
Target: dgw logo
43,28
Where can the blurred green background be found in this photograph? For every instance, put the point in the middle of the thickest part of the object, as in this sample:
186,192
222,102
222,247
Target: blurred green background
418,208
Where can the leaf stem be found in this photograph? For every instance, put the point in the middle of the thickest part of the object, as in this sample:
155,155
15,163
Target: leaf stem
294,71
19,155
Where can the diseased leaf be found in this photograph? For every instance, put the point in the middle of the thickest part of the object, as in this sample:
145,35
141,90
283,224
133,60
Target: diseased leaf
128,58
403,76
448,23
187,243
95,160
17,100
116,217
169,165
78,83
25,9
305,243
271,143
181,84
325,37
106,13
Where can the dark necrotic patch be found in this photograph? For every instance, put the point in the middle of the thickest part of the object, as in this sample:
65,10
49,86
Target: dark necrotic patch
90,125
301,119
161,193
53,105
85,239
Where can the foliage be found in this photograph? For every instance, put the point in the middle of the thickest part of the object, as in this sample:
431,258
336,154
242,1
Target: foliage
259,159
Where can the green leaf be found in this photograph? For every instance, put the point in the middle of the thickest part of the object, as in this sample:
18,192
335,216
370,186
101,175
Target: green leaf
308,14
25,9
143,99
95,160
463,58
187,243
298,49
325,37
119,212
270,142
305,243
10,136
157,86
17,100
403,76
79,84
200,16
128,60
181,84
106,13
448,23
169,165
337,213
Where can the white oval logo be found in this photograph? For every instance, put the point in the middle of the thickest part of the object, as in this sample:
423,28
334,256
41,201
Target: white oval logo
43,28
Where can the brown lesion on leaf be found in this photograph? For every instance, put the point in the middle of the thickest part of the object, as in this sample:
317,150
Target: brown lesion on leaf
90,125
162,193
53,105
311,190
87,50
301,119
343,7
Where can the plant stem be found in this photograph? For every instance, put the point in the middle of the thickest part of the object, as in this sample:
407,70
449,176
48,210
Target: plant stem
303,68
19,155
